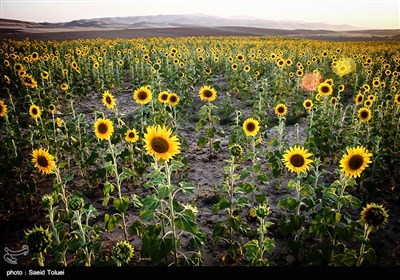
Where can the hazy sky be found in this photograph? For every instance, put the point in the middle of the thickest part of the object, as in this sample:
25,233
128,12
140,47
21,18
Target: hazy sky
359,13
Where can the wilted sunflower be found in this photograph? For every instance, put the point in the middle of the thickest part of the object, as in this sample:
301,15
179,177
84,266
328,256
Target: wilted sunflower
207,93
374,216
280,110
43,160
325,89
296,159
103,128
160,142
38,239
251,127
3,108
308,104
142,95
397,99
173,99
355,161
34,111
364,114
131,135
122,251
108,100
163,96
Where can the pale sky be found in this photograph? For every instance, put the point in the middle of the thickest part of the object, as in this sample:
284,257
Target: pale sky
377,14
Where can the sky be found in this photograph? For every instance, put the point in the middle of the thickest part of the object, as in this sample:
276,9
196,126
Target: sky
377,14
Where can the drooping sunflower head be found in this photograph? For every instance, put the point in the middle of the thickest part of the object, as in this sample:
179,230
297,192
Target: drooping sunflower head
76,203
280,110
236,150
173,99
296,159
103,128
123,251
333,101
160,143
131,135
142,95
308,104
108,100
374,216
34,111
163,96
43,160
364,114
251,127
397,99
325,88
29,81
359,98
207,93
38,239
355,161
3,108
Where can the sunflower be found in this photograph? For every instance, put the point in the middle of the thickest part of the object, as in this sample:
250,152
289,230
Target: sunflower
173,99
3,108
122,251
325,89
163,96
280,110
43,161
131,135
355,161
251,127
368,103
64,86
207,93
108,100
234,66
308,104
359,98
374,216
34,111
160,142
296,159
341,88
142,95
397,99
45,75
52,108
333,101
103,128
364,114
246,68
29,81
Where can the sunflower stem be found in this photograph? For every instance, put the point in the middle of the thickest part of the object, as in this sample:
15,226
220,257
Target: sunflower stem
362,248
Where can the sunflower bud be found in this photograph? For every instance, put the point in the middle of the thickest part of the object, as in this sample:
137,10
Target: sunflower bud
123,251
47,201
38,239
374,215
236,150
76,203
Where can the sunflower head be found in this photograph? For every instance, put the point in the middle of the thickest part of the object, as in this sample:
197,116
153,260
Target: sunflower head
123,251
173,99
325,88
47,200
251,127
64,86
103,128
3,108
76,203
108,100
236,150
142,95
308,104
207,93
280,110
397,99
163,96
374,216
296,159
34,111
359,98
43,161
131,135
160,143
364,114
38,239
355,161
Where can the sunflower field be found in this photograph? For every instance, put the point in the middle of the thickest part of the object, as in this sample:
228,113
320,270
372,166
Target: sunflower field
200,151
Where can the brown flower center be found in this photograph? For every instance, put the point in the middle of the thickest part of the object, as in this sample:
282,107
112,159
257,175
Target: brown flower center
355,162
297,160
172,99
281,109
207,93
308,104
142,95
102,128
42,161
325,89
159,145
164,97
250,126
108,100
131,134
34,111
364,114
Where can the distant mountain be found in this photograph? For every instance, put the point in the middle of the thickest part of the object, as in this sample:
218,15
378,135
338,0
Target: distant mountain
199,20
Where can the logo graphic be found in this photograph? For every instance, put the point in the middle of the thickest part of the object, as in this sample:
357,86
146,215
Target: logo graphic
10,255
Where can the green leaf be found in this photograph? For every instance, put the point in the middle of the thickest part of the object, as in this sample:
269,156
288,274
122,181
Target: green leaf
164,191
175,165
370,256
234,222
221,205
126,173
136,228
111,222
198,239
268,244
220,230
187,221
202,141
288,202
187,187
137,201
349,258
108,188
68,177
121,204
252,250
